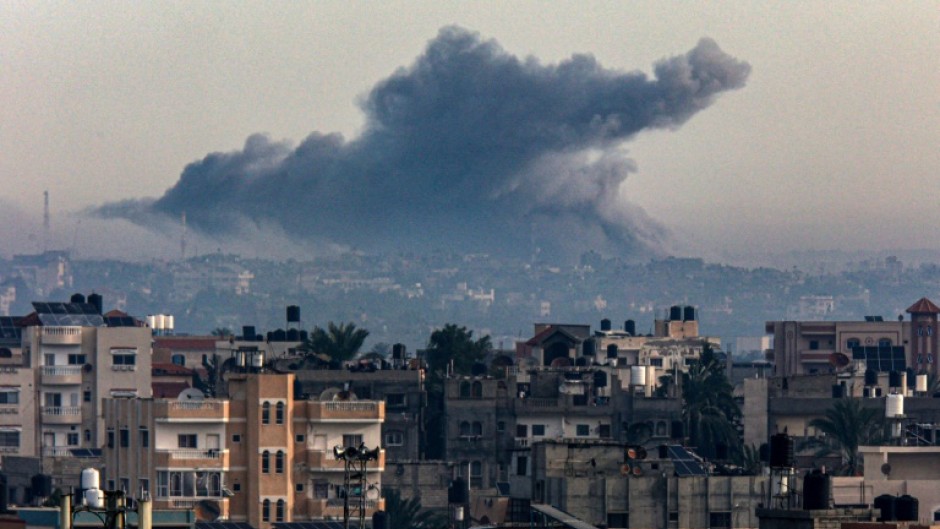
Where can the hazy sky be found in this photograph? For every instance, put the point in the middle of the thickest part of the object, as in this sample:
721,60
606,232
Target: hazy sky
833,142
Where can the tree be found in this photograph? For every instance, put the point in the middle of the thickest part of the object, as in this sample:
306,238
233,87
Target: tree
847,425
709,410
408,514
222,332
339,342
455,344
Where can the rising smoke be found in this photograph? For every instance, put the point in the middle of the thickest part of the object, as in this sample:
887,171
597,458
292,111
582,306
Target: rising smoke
468,149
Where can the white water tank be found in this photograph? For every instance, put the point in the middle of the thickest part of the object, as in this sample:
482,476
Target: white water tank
90,479
168,322
637,375
894,406
651,376
922,383
159,322
94,498
151,321
257,359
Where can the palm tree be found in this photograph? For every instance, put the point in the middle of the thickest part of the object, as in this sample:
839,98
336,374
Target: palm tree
222,332
339,342
848,424
709,410
408,514
455,344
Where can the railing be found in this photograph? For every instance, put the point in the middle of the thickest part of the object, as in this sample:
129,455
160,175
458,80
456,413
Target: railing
538,402
56,451
61,410
351,406
522,442
61,331
195,405
61,371
190,503
339,502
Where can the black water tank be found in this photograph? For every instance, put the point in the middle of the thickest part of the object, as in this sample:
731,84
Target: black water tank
293,314
781,451
279,336
911,378
675,313
871,377
678,430
41,486
97,301
764,452
688,313
4,494
581,361
398,351
248,333
894,379
380,520
293,335
478,369
605,324
837,391
589,348
629,327
906,508
77,298
457,491
815,491
600,379
303,336
887,504
612,351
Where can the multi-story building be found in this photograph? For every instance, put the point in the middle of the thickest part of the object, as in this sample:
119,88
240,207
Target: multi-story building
260,456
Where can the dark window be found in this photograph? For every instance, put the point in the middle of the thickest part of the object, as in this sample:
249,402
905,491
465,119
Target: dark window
87,436
884,342
394,439
236,438
719,520
604,430
618,520
110,438
814,345
395,400
10,397
86,396
538,430
522,465
280,511
464,428
76,360
299,487
656,362
125,437
852,343
579,400
266,413
522,430
476,391
265,462
299,438
673,516
465,390
178,360
500,426
236,487
144,437
72,439
279,462
279,413
125,359
266,511
352,440
477,428
187,440
582,430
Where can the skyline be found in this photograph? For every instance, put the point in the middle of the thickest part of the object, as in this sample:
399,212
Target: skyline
831,143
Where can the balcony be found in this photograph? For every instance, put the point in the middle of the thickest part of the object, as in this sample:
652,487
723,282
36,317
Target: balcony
325,461
190,411
346,411
333,507
61,375
192,457
57,451
190,503
62,335
62,414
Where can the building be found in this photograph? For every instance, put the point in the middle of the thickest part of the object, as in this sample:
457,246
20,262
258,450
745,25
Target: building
260,456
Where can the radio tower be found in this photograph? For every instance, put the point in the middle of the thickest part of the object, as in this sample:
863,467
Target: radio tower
183,239
45,221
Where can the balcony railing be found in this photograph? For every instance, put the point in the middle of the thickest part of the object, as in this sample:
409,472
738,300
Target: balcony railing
207,410
62,335
62,375
194,453
345,410
57,451
61,410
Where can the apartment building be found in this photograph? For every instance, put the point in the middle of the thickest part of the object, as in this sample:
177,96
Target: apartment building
260,456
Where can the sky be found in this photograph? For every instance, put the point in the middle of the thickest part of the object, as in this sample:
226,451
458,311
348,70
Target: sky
829,141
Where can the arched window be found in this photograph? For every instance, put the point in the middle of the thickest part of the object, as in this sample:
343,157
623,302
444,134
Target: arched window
279,514
884,342
661,429
279,462
279,413
266,413
215,484
266,511
852,343
265,462
476,472
477,428
465,390
477,390
464,428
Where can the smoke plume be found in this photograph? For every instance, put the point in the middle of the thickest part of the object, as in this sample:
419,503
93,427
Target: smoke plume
468,149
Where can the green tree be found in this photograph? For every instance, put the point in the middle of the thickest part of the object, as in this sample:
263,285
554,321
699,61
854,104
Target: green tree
847,425
709,410
222,332
339,342
408,514
455,344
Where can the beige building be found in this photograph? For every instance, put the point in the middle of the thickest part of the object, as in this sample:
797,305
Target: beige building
258,457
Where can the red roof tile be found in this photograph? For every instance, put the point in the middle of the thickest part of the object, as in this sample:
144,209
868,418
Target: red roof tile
168,390
158,369
186,343
923,306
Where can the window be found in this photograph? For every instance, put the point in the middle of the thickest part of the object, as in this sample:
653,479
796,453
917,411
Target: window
582,430
656,362
618,520
110,438
144,485
124,359
144,437
279,514
538,430
49,359
178,360
265,462
110,484
604,430
500,426
266,413
187,440
394,439
299,487
476,391
352,440
395,400
125,484
522,465
299,438
522,430
10,396
673,516
465,390
86,396
87,436
266,511
125,437
71,439
279,413
852,343
10,439
464,429
476,473
612,351
236,487
77,360
321,489
719,520
477,428
236,438
279,462
884,342
813,345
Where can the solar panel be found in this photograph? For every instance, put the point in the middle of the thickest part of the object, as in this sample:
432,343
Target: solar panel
120,321
502,488
684,462
223,525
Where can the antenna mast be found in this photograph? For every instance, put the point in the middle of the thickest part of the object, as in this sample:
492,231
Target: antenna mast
45,221
183,238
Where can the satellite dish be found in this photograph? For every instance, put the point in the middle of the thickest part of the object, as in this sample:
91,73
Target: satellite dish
839,360
372,493
886,469
191,394
207,510
624,470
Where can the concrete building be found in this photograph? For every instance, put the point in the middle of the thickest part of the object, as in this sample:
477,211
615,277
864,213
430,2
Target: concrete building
260,456
913,470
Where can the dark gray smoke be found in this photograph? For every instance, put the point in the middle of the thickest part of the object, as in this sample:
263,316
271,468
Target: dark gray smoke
469,149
